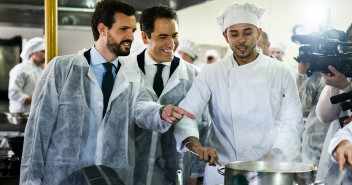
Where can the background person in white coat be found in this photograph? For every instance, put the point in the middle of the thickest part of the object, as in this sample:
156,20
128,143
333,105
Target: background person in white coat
277,50
253,100
167,81
190,52
24,76
86,106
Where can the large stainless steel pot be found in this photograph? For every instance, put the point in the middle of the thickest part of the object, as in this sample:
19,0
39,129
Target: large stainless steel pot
267,173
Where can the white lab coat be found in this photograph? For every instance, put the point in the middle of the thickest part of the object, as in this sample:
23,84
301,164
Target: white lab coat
254,108
315,131
23,78
66,130
156,156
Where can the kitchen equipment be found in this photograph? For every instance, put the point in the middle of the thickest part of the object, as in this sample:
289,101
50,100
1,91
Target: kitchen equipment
341,175
260,172
179,180
17,118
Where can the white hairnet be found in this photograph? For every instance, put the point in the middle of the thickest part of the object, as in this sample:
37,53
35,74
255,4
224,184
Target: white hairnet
240,13
33,45
278,45
212,52
190,48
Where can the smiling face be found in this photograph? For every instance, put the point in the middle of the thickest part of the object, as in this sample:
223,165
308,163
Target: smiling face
164,40
242,39
120,36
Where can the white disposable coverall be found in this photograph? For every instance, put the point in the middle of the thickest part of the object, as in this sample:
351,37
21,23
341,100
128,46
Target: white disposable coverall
315,131
156,154
65,132
254,108
23,78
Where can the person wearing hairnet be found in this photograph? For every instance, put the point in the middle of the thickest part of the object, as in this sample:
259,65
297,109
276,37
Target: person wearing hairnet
277,50
253,101
85,106
167,80
211,56
189,52
327,112
24,76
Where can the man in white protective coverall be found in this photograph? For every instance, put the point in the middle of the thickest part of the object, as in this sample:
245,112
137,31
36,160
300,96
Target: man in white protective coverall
167,81
85,106
253,101
24,76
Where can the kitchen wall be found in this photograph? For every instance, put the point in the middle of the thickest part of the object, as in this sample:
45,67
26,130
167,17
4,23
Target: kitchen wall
198,23
70,40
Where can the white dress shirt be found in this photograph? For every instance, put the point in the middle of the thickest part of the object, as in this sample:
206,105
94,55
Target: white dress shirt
150,70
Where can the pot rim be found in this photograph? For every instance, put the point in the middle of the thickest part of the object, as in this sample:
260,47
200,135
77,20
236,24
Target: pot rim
230,166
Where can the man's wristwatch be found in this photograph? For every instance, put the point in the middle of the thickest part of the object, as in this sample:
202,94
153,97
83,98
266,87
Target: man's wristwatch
161,112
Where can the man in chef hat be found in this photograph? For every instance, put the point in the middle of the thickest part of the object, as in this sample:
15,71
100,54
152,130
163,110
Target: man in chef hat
24,76
189,52
253,99
277,50
211,56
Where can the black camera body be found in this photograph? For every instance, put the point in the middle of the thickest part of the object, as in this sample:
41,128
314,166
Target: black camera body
322,50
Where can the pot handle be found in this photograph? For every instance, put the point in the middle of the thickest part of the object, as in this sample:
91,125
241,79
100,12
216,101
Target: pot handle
220,172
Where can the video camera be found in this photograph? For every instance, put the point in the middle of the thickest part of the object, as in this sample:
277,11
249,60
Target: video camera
345,99
323,49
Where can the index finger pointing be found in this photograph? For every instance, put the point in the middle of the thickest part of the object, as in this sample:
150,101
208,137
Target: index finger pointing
182,111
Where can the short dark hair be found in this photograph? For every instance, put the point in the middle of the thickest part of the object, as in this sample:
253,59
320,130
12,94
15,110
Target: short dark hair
149,16
349,29
105,11
265,37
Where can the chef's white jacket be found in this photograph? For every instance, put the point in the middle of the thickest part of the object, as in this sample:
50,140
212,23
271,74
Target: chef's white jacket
254,108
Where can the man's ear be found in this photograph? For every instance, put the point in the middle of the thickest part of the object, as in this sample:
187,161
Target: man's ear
144,37
102,29
225,36
259,33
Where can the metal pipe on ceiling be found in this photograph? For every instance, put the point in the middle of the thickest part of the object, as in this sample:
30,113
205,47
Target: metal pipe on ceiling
51,44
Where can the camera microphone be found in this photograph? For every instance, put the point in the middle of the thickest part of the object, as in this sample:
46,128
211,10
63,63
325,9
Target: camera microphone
341,97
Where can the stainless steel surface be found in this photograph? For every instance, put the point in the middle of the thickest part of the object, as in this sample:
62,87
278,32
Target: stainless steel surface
17,118
259,172
341,175
30,13
179,180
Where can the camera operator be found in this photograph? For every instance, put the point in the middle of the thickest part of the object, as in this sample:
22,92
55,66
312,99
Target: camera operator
340,146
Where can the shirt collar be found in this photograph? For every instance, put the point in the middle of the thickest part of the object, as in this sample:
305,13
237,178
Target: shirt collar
97,58
150,61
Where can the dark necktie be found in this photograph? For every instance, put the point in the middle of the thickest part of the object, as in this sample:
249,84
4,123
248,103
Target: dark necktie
108,84
158,84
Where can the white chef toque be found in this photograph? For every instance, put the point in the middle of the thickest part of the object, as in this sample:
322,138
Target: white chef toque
33,45
190,48
240,13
